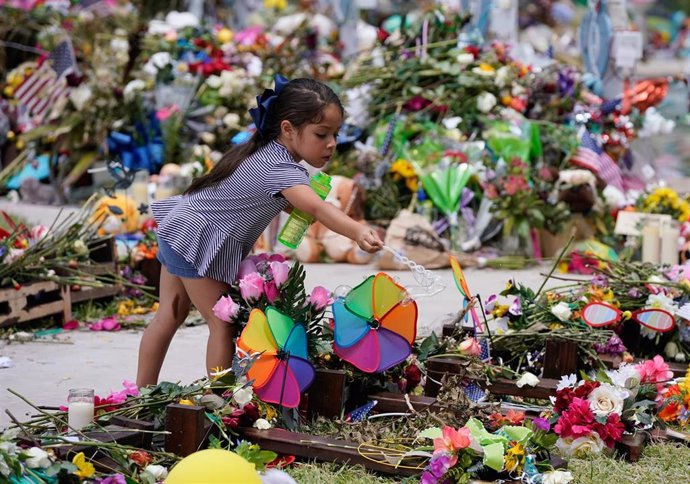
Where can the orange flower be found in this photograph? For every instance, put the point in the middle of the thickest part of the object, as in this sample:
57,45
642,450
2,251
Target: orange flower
452,440
670,412
141,458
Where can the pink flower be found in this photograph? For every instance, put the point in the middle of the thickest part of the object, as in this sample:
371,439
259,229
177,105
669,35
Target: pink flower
654,371
272,293
252,287
106,324
131,388
226,309
515,184
38,232
576,421
320,297
277,258
164,113
452,440
280,272
247,266
70,325
470,347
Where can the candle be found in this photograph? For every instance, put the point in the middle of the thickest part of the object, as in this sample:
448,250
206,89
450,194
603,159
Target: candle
650,243
80,414
669,244
80,409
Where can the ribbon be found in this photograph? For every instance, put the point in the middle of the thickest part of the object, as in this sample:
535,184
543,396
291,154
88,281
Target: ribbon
495,445
264,102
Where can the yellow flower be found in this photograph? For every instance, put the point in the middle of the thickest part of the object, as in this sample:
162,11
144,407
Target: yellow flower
555,326
486,67
84,469
499,310
515,458
685,384
276,4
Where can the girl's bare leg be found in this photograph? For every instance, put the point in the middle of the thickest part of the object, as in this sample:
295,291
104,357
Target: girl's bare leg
204,293
173,309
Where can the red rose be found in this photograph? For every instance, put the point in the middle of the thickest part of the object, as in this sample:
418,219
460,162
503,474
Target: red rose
231,422
413,375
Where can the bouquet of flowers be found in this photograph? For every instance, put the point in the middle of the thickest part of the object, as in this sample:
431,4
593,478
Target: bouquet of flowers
665,200
269,280
592,414
518,449
674,411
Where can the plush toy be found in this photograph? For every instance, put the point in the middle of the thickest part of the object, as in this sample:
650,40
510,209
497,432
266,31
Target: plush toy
348,197
118,215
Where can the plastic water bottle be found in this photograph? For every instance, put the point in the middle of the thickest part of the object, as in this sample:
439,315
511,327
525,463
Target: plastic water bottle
298,223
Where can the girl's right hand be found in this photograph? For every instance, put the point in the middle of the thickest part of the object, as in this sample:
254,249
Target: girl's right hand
368,240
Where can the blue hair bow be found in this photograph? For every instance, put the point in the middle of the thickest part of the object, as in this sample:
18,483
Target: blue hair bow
260,113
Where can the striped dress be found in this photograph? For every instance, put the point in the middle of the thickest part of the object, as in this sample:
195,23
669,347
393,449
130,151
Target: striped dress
215,228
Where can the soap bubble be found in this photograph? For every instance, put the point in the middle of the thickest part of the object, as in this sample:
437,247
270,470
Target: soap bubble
341,291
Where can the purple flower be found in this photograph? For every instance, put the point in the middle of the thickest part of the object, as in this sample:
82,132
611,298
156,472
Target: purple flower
600,280
114,479
566,83
516,307
614,346
541,424
428,478
439,464
634,292
490,304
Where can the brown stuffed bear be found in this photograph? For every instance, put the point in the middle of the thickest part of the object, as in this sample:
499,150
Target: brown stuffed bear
349,197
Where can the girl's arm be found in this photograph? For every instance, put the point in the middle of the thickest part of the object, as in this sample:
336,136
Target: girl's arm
303,198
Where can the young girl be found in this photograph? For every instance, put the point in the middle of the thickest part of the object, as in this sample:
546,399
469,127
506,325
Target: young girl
204,235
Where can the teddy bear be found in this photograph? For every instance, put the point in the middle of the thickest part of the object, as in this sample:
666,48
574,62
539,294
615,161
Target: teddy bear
319,240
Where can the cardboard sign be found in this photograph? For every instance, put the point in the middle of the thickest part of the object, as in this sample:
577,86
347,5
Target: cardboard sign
627,48
631,223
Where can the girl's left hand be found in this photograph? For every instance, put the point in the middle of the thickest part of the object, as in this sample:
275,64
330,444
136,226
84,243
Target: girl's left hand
368,240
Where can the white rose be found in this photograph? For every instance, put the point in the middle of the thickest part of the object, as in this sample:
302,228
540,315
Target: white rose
214,82
582,446
527,378
607,399
262,424
208,138
486,102
465,58
37,458
231,120
132,87
557,477
158,472
503,76
562,311
80,247
243,396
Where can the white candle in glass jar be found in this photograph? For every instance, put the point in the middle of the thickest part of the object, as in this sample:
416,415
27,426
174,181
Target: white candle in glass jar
80,414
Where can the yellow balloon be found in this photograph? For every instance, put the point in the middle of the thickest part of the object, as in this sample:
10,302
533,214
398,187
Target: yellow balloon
213,466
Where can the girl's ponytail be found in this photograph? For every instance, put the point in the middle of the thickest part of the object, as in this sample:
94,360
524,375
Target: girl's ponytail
227,164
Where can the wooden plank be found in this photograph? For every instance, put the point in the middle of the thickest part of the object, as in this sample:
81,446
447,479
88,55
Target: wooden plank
32,301
632,446
327,397
438,367
188,428
560,358
87,293
320,448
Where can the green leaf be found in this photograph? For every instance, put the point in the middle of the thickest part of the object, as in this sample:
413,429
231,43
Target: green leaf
431,433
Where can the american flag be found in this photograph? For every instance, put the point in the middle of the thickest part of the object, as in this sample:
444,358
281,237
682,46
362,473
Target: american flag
474,392
47,84
359,414
590,156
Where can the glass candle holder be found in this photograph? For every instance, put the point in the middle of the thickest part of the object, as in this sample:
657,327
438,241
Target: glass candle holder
80,411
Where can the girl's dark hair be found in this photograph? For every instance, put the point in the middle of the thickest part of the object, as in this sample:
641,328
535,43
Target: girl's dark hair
302,101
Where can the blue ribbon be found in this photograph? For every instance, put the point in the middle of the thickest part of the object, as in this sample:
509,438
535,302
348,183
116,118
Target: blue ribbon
264,102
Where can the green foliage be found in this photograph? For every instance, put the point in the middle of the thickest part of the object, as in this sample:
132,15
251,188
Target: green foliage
254,454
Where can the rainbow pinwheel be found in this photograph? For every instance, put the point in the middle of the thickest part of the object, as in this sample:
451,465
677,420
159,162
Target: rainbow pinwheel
464,289
282,372
375,324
